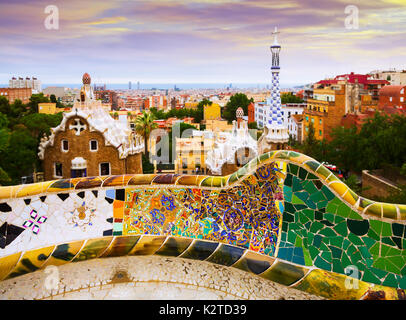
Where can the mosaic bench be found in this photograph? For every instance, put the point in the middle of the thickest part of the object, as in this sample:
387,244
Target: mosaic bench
283,216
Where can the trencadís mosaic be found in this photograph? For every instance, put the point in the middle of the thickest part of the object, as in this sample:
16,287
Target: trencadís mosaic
283,216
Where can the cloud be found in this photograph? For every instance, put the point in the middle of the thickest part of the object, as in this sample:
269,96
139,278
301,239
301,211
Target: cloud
199,39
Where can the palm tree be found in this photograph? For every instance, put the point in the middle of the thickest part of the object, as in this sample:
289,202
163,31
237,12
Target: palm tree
144,124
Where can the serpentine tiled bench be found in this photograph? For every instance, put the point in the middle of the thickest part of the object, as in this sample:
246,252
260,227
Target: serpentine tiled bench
283,216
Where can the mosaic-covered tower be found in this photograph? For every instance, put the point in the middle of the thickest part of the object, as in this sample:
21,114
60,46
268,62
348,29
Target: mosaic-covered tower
275,134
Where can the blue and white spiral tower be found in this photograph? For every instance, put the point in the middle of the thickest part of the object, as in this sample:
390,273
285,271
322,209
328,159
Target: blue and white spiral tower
276,133
275,115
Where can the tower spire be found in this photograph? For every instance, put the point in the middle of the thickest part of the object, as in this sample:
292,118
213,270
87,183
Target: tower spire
275,33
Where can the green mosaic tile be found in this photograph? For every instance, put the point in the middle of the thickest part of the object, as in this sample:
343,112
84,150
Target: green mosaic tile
302,173
388,241
323,264
311,176
337,241
373,235
316,226
341,228
310,187
398,229
337,266
364,252
355,216
327,232
323,171
355,257
376,226
368,276
296,184
374,250
307,257
358,227
296,199
345,260
303,218
312,164
336,252
390,281
318,196
329,195
322,204
386,229
293,168
288,180
327,255
343,210
314,252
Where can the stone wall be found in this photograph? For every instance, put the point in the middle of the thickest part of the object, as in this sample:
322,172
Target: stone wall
376,186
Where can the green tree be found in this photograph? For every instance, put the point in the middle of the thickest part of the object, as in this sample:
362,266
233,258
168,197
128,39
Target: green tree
344,142
40,123
4,105
35,100
253,125
20,154
52,97
237,100
4,143
144,124
290,98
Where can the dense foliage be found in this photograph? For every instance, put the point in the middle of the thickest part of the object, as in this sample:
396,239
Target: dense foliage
290,98
237,100
380,142
197,113
21,128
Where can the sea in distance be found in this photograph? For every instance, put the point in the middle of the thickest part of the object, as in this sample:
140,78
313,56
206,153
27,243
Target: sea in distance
167,86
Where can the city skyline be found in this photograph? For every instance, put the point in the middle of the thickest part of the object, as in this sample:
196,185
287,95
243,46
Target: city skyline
204,41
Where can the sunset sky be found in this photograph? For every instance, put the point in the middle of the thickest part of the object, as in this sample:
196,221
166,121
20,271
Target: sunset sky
179,41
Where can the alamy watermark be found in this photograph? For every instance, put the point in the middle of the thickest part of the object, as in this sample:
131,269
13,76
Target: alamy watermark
352,279
351,22
52,20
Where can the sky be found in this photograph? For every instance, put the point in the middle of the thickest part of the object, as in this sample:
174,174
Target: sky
199,41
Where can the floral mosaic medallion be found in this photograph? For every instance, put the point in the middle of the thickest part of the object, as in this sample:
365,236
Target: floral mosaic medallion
34,222
82,215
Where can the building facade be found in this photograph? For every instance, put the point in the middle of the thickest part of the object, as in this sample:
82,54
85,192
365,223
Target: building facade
393,96
31,83
232,150
12,94
212,112
191,152
89,142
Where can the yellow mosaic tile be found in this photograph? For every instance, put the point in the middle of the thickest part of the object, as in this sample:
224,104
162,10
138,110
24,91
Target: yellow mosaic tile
120,246
64,253
332,285
147,245
31,261
187,180
33,189
339,187
351,197
374,210
141,179
7,264
93,248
